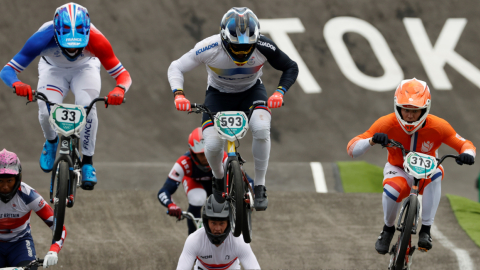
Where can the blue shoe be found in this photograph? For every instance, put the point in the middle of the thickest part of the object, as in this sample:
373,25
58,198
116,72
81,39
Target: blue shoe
47,158
89,178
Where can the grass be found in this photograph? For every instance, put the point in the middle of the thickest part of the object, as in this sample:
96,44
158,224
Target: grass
360,177
467,213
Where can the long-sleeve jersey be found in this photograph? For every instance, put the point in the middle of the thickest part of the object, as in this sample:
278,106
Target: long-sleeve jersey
15,216
43,44
427,139
226,256
184,167
224,74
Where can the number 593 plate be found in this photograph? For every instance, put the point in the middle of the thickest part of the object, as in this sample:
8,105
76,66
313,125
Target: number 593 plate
231,125
420,165
67,119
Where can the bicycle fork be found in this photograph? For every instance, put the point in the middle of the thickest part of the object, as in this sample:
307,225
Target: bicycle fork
233,155
65,156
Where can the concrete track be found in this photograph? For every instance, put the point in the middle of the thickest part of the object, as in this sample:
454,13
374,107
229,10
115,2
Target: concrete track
121,225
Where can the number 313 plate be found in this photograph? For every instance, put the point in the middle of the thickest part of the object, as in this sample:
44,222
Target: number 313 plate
231,125
420,165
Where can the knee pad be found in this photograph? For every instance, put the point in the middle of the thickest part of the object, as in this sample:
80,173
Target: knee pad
260,124
263,134
213,142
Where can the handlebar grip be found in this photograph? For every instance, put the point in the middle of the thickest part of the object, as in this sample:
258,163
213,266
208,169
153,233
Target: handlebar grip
124,100
193,105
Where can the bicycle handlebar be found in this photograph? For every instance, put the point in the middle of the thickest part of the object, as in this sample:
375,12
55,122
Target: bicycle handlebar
202,108
43,97
393,143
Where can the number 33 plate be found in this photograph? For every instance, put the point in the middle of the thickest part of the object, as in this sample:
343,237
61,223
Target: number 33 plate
67,119
420,165
231,125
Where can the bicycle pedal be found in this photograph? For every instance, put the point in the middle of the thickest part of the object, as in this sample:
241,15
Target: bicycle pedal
422,249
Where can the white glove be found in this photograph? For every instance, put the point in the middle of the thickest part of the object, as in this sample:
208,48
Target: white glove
50,259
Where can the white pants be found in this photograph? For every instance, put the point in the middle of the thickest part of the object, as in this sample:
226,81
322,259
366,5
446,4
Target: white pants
396,186
84,81
260,126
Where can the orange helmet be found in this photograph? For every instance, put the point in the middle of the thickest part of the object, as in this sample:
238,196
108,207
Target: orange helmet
412,94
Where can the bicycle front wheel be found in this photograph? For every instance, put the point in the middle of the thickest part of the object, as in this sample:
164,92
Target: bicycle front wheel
236,192
60,200
406,233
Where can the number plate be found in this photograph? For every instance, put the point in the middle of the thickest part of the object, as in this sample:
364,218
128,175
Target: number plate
420,165
67,119
231,125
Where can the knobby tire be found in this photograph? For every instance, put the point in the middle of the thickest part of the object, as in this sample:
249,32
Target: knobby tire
236,194
405,235
247,224
61,200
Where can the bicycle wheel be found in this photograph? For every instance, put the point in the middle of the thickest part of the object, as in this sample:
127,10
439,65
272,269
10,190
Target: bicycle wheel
247,224
236,195
405,235
60,201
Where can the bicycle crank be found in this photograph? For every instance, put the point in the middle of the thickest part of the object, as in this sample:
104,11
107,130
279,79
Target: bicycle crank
249,199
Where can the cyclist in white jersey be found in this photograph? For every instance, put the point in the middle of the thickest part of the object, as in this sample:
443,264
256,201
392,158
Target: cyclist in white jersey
234,60
213,246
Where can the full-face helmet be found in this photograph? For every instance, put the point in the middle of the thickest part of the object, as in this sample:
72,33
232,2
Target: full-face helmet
213,210
72,29
10,167
197,146
412,94
240,31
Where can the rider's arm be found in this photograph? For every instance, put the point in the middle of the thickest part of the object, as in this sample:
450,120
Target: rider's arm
165,193
189,253
101,48
280,61
187,62
246,256
32,48
45,212
457,142
361,143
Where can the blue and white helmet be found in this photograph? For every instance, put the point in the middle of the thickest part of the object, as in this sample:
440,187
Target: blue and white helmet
240,31
72,28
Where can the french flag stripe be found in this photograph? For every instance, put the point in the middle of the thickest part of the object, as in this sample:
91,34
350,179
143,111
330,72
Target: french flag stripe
216,266
114,69
118,73
55,90
14,68
17,65
53,86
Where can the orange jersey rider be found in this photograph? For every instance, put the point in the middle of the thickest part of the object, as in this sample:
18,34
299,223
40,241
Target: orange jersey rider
417,130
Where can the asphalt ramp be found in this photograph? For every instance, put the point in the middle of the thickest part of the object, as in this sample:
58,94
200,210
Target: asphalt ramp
129,229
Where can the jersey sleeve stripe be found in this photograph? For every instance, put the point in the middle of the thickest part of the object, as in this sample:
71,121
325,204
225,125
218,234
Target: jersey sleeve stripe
206,124
115,68
115,75
17,65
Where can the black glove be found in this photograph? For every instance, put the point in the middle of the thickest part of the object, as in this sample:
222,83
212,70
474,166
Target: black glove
380,138
465,158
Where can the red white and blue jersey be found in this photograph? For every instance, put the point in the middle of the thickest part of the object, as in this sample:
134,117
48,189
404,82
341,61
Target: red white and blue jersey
15,216
43,44
185,167
228,255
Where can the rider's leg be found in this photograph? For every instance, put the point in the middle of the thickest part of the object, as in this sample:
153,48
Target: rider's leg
432,191
20,251
214,153
260,125
196,196
395,189
214,146
86,86
54,83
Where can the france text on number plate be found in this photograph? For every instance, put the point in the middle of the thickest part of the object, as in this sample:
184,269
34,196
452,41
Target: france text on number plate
232,124
67,118
421,164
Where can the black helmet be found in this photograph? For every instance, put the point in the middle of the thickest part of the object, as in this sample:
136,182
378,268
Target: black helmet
216,211
240,31
10,167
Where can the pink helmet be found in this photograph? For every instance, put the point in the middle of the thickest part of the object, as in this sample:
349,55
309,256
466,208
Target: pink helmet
10,166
